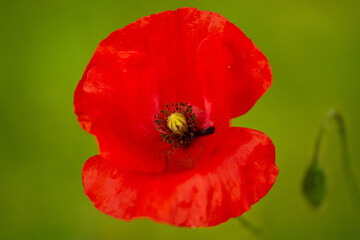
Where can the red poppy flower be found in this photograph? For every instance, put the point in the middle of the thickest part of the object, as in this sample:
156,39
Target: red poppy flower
158,95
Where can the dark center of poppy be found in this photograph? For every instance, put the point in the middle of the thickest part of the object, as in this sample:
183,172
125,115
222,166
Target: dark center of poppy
177,124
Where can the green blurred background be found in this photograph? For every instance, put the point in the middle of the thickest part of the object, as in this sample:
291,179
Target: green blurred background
313,48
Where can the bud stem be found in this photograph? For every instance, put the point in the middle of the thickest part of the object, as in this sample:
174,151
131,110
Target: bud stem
255,230
349,175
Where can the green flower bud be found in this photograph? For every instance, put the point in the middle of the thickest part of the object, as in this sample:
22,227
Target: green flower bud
315,184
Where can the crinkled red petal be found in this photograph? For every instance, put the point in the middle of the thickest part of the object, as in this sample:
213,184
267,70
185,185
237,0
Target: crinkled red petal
234,72
240,171
192,56
117,102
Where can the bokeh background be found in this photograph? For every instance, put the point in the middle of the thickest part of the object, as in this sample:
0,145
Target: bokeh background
313,48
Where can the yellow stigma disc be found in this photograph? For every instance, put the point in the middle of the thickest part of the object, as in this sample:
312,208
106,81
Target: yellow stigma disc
177,123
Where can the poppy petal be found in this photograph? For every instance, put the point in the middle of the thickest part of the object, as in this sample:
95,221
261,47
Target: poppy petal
200,58
234,72
241,171
116,102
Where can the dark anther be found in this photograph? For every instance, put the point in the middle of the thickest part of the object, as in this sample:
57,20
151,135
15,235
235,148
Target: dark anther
205,131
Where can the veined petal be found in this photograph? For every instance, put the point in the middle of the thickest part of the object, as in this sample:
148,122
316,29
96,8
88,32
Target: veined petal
198,57
116,102
233,71
240,171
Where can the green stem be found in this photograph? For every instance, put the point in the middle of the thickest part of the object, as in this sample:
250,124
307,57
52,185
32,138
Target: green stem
349,175
256,231
328,117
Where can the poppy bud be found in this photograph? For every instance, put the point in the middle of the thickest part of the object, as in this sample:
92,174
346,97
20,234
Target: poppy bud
315,184
177,123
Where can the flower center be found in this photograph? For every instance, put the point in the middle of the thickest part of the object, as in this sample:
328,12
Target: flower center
177,124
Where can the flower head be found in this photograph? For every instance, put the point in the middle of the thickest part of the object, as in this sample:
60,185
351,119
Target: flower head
158,95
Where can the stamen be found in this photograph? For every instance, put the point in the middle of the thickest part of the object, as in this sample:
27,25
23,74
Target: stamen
177,124
204,132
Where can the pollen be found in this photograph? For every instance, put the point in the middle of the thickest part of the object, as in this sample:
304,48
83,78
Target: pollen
177,123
